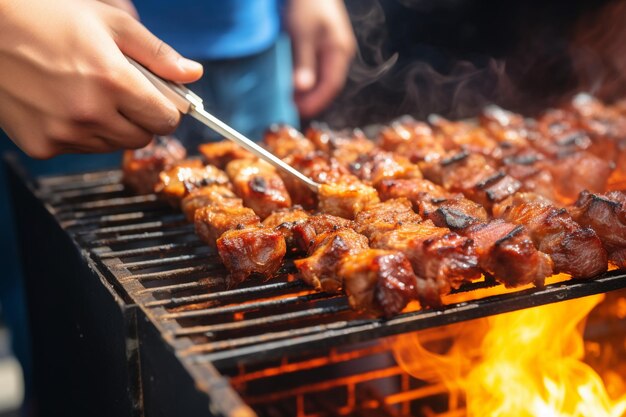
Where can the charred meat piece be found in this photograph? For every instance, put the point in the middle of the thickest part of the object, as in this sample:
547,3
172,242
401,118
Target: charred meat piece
253,250
574,250
221,153
258,184
384,217
577,172
284,140
345,146
212,221
175,183
305,232
141,167
319,269
346,200
507,253
379,165
412,139
458,214
437,255
317,166
423,194
461,135
606,215
284,221
212,195
509,129
379,282
527,167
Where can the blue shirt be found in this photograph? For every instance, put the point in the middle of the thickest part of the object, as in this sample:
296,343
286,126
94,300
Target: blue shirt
213,29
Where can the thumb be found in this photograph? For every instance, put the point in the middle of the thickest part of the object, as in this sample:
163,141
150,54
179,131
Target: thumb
304,64
139,43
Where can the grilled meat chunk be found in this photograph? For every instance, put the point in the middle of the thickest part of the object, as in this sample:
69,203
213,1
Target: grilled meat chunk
458,214
379,165
423,194
319,269
221,153
379,282
212,221
305,232
258,184
507,253
175,183
284,221
606,215
284,140
141,167
574,250
253,250
384,217
412,139
212,195
345,146
439,256
346,200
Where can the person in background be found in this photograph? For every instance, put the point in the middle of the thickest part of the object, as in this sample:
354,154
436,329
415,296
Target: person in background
65,86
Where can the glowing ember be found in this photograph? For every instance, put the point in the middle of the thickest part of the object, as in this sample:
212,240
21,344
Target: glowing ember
522,364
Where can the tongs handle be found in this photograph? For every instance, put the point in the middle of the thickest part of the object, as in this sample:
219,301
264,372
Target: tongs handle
182,97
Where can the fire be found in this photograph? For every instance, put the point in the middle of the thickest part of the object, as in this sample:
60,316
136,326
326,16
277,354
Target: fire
527,363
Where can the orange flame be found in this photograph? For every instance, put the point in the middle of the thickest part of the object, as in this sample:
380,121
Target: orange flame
526,363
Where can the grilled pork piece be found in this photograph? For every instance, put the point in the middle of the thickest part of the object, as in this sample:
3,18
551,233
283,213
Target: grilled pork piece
471,174
376,166
212,195
212,221
305,232
253,250
319,269
380,282
606,215
141,167
284,221
284,140
528,168
423,194
175,183
412,139
344,146
461,135
221,153
507,128
346,200
258,184
439,256
574,250
500,245
384,217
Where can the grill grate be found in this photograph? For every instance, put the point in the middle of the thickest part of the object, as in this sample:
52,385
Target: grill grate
150,253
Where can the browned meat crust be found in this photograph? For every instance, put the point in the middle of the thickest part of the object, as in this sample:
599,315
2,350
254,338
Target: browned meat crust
177,182
380,282
606,215
305,232
384,217
251,251
575,250
346,200
285,221
212,195
437,255
378,165
258,184
423,194
212,221
284,140
141,167
221,153
319,269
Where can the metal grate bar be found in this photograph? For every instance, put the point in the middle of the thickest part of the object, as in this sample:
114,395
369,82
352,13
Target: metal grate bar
160,224
256,290
133,266
152,250
175,273
109,203
186,230
241,308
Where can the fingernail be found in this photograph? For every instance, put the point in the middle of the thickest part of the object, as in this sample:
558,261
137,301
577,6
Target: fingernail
304,79
189,65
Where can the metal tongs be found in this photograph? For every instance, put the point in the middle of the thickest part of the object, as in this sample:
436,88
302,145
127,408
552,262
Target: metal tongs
190,103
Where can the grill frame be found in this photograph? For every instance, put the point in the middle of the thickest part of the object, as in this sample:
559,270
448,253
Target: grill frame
112,227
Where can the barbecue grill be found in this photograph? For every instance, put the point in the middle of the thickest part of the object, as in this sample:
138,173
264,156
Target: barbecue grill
159,332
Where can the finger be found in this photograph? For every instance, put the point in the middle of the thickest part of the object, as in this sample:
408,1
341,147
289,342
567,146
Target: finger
140,44
304,63
333,67
122,133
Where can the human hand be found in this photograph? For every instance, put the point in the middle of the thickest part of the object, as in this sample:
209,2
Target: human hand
323,46
65,85
125,5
